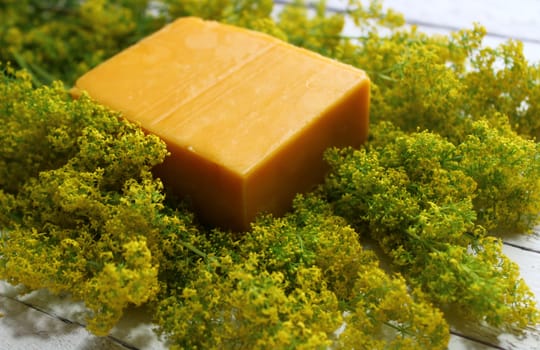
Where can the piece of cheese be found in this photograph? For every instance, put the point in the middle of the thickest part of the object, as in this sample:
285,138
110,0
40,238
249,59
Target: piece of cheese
245,116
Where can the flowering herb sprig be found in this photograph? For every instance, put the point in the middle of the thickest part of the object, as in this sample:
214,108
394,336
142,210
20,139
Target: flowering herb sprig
451,163
419,199
81,212
292,282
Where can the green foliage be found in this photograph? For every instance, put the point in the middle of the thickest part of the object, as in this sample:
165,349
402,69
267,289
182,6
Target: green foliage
506,169
451,162
61,40
441,82
502,169
253,14
501,82
232,306
290,283
44,129
432,82
78,194
418,197
320,33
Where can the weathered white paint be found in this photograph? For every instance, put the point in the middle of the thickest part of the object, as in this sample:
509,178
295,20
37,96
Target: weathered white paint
24,328
518,19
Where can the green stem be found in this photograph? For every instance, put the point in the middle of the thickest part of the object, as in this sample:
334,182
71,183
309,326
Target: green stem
22,63
195,250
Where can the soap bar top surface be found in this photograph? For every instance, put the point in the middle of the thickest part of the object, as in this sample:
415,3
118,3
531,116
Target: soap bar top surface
230,95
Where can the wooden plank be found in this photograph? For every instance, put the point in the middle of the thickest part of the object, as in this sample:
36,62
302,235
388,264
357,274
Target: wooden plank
528,242
134,331
459,342
519,19
26,328
529,263
508,19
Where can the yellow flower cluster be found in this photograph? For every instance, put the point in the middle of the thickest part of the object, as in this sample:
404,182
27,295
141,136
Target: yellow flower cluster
293,282
451,161
428,203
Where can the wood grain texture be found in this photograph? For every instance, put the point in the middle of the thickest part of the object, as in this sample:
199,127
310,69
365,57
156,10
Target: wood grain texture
25,327
518,19
59,321
503,20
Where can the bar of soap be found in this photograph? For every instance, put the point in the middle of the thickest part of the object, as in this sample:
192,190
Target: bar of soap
245,116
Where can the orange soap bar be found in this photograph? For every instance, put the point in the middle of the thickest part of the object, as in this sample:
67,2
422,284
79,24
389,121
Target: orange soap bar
245,116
